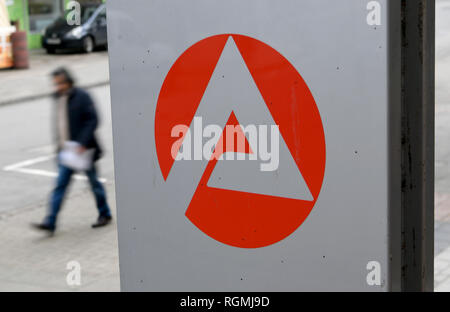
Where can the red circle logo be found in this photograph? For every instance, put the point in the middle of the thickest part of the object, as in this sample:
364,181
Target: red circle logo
239,218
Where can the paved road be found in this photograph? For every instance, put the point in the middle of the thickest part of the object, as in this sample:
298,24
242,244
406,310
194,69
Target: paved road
35,262
26,136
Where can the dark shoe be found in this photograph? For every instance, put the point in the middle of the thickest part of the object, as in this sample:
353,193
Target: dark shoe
44,227
102,221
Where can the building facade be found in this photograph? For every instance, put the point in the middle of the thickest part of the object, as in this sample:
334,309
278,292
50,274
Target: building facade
33,16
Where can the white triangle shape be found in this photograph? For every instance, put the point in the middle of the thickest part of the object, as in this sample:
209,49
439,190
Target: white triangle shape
233,82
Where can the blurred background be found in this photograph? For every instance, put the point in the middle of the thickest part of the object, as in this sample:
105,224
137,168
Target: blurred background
31,261
34,40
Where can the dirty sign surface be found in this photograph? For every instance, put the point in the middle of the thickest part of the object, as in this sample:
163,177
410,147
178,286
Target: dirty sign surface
197,212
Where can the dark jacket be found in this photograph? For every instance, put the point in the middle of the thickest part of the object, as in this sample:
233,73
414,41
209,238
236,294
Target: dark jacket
83,120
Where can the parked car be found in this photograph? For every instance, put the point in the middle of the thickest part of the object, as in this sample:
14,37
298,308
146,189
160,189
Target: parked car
91,32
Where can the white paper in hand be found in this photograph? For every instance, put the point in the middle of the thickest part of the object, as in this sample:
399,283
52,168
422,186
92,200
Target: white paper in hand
71,158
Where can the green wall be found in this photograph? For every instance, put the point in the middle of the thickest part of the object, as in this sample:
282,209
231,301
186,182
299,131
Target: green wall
16,12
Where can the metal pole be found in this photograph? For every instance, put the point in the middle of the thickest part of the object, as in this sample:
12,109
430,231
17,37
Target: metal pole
418,37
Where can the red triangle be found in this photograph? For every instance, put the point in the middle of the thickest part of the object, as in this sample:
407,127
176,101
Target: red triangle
238,145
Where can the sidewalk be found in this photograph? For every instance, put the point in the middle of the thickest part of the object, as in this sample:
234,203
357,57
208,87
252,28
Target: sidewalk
28,84
442,179
442,243
32,261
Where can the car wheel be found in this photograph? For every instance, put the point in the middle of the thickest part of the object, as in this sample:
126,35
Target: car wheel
50,51
88,44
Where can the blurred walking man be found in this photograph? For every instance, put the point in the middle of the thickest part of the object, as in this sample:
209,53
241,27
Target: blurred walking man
75,121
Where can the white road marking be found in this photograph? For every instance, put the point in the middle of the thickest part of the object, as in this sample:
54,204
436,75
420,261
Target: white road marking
28,163
20,167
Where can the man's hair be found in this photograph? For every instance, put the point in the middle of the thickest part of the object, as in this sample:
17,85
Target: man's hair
65,73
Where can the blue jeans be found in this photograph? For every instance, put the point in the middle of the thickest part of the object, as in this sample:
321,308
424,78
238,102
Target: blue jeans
62,183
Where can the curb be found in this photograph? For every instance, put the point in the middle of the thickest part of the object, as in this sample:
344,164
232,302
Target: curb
47,94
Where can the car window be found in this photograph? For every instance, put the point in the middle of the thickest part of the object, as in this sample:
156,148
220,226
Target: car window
101,17
87,12
102,14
